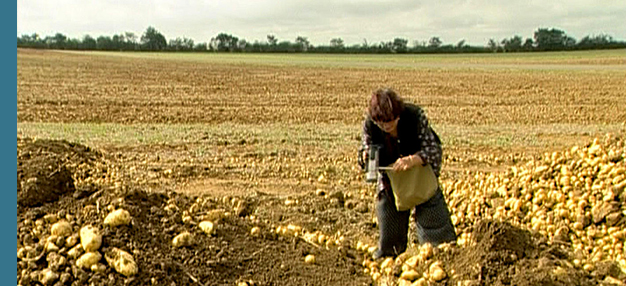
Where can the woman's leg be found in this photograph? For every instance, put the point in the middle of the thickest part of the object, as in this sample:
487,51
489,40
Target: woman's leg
434,225
393,225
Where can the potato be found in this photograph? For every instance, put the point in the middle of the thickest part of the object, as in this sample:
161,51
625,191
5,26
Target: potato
420,282
75,252
321,238
371,249
559,271
294,228
24,252
171,208
187,220
387,263
438,274
90,238
183,239
71,240
255,231
426,251
98,268
413,261
613,281
309,259
48,277
359,246
88,259
322,179
122,261
207,227
410,275
279,230
51,247
405,268
117,218
375,276
215,215
61,228
310,236
53,238
50,218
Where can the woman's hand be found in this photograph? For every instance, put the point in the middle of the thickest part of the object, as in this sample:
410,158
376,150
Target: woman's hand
405,163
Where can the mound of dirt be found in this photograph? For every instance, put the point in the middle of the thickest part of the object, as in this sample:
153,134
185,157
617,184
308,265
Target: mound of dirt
42,171
503,254
41,181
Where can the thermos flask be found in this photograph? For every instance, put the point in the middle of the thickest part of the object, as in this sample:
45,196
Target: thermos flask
371,174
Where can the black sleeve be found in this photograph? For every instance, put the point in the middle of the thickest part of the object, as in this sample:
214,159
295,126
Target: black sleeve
366,135
366,140
430,149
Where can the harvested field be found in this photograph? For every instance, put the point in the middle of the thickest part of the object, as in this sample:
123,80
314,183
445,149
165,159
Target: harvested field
61,87
270,142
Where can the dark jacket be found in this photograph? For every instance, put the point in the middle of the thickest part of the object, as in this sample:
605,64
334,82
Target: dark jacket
414,136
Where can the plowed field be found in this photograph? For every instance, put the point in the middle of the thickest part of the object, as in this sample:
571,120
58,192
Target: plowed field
270,142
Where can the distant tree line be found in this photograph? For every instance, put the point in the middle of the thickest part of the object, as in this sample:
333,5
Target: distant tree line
152,40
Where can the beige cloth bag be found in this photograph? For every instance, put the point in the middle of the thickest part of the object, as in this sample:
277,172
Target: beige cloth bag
413,186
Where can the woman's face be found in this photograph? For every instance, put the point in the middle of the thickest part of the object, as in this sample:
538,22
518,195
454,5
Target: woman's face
388,126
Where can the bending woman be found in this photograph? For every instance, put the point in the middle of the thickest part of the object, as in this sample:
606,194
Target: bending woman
402,132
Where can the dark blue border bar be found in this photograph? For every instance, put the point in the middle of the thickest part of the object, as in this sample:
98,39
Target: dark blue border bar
8,115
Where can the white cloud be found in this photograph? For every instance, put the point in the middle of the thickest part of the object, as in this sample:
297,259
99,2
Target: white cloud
476,21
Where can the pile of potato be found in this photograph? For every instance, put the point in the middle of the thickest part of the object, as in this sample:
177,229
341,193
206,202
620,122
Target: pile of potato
64,244
98,173
405,269
574,197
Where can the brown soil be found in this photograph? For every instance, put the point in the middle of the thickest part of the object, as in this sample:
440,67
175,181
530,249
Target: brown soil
83,87
41,173
505,255
231,255
501,254
59,179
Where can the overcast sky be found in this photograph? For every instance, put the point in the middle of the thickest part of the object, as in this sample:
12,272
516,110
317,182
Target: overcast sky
475,21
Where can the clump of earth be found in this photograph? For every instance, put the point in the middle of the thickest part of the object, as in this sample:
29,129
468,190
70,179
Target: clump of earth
506,255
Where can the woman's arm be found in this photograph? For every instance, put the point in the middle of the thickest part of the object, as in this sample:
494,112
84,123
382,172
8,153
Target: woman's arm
366,141
430,151
366,135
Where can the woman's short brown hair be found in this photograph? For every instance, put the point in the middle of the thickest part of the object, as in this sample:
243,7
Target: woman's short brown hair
385,105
